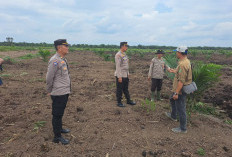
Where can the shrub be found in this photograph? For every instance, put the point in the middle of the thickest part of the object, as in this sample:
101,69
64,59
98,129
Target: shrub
44,54
205,76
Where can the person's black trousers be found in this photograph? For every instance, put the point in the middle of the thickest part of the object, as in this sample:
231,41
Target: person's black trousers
58,107
156,83
122,87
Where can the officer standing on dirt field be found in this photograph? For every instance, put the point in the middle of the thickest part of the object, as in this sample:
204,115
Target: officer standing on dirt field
122,75
183,76
59,88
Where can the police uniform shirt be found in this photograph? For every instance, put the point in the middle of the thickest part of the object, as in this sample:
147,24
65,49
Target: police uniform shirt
57,78
156,69
122,65
183,74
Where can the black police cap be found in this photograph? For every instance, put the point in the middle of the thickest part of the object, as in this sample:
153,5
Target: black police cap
159,52
123,44
60,42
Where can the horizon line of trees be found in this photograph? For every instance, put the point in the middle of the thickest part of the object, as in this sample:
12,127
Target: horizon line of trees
44,44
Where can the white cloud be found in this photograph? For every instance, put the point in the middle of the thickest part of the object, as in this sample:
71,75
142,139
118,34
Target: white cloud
170,22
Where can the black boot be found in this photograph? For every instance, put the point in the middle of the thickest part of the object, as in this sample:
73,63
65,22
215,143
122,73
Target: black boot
130,102
65,131
60,139
121,105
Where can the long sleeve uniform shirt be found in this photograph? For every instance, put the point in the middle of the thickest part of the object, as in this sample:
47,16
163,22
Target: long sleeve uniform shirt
122,65
57,78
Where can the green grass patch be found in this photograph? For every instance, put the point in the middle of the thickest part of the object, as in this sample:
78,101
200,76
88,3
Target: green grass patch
203,108
5,75
148,105
38,125
8,59
228,122
21,48
28,56
201,151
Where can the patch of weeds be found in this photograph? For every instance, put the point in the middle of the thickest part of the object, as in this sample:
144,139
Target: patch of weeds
141,54
38,125
194,53
37,80
201,152
148,105
208,56
28,56
5,75
228,54
9,60
73,63
111,86
40,80
72,49
228,122
203,108
23,74
107,57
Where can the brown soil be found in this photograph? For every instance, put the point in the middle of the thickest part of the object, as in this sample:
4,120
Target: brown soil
15,54
98,126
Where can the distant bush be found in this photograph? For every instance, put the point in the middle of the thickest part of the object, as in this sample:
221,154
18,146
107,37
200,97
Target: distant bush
44,54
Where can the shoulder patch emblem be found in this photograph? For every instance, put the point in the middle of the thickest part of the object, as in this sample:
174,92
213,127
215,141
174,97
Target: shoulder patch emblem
55,63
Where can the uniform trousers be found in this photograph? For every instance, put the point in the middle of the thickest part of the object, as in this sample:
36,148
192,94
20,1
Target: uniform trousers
156,83
58,106
122,87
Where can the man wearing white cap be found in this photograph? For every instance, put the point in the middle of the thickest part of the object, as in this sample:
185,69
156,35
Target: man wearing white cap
183,76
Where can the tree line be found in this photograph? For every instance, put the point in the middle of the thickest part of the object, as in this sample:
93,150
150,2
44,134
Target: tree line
44,44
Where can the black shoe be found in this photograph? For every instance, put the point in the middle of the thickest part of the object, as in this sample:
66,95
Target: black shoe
60,139
121,105
65,131
131,102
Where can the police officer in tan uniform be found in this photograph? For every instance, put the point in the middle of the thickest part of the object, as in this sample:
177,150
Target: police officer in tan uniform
183,76
59,88
122,75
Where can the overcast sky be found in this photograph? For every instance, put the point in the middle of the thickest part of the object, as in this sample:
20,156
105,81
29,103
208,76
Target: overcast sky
146,22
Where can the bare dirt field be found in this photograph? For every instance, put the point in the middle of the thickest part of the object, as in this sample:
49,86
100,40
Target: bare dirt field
15,54
98,127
